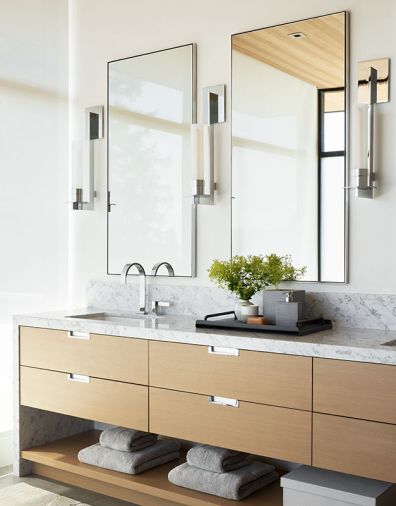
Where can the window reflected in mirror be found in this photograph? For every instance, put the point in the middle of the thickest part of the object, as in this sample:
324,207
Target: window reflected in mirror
288,144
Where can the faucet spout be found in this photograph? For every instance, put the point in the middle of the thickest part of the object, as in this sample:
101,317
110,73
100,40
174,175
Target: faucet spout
168,266
142,283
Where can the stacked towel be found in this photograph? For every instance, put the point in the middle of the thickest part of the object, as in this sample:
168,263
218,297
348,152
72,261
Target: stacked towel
221,472
216,459
141,451
126,440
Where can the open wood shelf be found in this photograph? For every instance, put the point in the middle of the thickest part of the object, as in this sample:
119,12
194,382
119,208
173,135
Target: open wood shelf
58,461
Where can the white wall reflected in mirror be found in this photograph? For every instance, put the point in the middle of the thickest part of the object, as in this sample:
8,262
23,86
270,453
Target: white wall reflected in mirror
149,167
275,176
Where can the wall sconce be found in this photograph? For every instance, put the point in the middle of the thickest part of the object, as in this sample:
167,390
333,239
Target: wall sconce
203,144
373,89
83,177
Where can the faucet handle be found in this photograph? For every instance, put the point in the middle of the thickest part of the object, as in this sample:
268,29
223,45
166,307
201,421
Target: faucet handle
156,306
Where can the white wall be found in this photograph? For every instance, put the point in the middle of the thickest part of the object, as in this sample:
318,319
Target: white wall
33,168
103,30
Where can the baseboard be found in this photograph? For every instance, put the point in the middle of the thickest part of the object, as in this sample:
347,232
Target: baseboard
5,471
5,448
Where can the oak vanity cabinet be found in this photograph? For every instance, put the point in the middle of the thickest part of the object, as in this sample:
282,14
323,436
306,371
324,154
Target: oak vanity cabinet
354,419
97,377
333,414
250,401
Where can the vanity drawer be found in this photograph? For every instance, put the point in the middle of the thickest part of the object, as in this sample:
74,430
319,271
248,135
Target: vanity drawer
355,446
101,356
101,400
264,430
355,389
268,378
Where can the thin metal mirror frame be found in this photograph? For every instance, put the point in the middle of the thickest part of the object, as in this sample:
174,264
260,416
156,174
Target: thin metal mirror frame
346,139
193,206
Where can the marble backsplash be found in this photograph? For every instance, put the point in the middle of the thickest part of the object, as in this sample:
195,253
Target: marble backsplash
358,310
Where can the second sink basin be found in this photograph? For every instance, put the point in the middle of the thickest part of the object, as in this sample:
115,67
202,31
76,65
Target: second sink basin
117,318
390,343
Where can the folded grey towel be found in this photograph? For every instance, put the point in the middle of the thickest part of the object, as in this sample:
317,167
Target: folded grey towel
126,440
130,462
235,485
218,460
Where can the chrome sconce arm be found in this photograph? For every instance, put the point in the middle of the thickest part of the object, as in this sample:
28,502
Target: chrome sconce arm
373,88
84,193
204,185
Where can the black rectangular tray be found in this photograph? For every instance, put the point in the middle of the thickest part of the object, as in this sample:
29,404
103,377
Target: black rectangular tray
301,328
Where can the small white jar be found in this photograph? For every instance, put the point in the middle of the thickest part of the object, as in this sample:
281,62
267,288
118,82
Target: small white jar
245,309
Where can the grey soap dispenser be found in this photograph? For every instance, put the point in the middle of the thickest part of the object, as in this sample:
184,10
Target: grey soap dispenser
287,313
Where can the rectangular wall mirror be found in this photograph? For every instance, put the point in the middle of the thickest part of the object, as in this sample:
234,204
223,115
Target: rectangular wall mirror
151,106
289,144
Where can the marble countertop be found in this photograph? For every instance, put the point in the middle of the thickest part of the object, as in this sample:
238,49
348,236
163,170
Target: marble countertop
364,345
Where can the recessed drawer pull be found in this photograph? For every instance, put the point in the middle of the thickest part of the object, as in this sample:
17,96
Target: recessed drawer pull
81,378
78,335
220,350
223,401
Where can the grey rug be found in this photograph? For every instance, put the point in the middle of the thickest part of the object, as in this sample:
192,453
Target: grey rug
23,494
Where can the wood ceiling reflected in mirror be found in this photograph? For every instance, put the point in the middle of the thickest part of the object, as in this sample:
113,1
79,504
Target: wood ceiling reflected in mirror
311,50
289,144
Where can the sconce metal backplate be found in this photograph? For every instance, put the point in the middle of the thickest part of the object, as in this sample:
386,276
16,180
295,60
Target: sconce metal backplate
214,104
382,67
94,122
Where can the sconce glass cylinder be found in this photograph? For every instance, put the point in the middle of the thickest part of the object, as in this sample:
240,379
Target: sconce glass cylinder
197,161
82,186
202,150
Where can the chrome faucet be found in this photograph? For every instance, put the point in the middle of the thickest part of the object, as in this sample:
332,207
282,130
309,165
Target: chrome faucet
156,305
168,266
142,283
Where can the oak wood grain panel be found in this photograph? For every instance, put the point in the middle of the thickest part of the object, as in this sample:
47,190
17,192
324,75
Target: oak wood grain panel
355,389
354,446
267,378
264,430
58,460
101,356
105,401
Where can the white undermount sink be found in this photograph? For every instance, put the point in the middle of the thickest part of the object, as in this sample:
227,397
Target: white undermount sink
117,318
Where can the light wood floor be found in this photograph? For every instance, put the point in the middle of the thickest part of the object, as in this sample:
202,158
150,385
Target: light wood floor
77,494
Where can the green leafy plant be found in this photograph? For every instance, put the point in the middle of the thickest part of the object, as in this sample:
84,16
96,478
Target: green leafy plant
246,275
